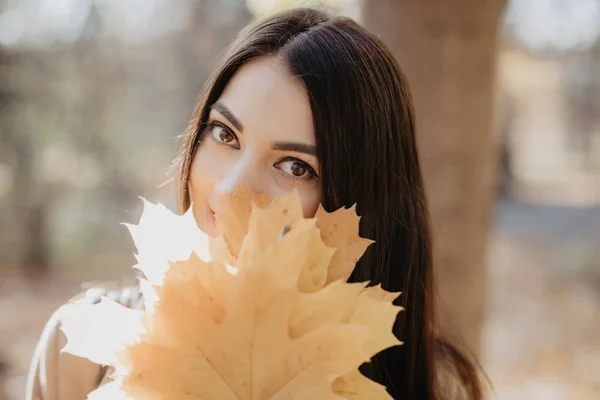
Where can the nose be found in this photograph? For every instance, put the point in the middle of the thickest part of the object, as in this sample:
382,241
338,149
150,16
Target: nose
245,172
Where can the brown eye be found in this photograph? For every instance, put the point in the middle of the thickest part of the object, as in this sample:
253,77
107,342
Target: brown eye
298,169
223,135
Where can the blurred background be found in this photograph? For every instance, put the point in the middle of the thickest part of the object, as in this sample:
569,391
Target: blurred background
93,94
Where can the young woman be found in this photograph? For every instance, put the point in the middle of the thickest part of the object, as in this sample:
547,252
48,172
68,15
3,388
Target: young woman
311,101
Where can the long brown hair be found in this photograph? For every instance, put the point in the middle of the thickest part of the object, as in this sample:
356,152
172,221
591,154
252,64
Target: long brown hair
365,139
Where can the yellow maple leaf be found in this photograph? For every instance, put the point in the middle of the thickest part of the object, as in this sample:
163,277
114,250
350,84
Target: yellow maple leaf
161,237
355,386
338,230
271,327
232,221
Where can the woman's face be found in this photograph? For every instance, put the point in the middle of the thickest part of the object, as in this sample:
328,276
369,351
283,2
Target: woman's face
260,133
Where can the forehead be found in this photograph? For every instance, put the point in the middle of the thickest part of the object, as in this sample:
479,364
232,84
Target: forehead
270,102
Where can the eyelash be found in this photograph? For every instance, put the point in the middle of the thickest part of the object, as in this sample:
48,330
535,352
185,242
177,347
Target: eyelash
218,124
311,171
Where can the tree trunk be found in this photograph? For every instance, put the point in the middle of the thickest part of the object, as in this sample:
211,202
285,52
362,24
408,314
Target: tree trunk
29,197
448,51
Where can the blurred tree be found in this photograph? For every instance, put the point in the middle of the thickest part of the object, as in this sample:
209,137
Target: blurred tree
5,100
212,27
92,120
6,97
448,52
3,378
581,71
99,73
28,195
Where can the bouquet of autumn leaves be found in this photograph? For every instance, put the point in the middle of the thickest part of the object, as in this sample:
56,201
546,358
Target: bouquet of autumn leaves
261,312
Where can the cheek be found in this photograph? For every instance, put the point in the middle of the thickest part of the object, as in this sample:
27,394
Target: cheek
310,198
202,180
199,176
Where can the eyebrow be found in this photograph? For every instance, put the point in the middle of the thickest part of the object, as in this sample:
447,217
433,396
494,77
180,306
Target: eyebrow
226,112
297,147
282,146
